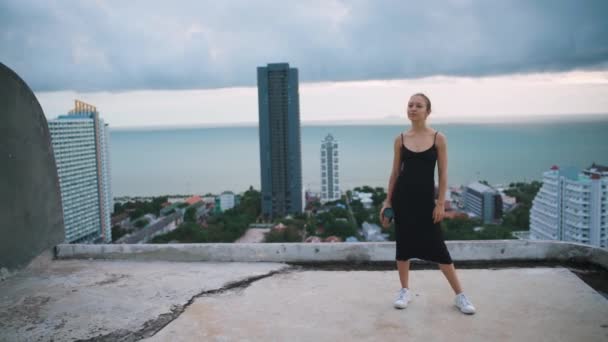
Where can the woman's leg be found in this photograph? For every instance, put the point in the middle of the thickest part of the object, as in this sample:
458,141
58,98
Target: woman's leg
404,268
450,273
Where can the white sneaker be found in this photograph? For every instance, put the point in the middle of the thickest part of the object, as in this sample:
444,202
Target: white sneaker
464,304
403,298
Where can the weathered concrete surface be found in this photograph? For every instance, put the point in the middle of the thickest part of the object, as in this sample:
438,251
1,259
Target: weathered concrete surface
31,217
484,250
113,301
534,304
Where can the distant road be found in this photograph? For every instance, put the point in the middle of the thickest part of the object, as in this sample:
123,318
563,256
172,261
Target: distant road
253,235
145,234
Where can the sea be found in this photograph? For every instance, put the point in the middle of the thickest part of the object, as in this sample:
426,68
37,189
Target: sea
200,160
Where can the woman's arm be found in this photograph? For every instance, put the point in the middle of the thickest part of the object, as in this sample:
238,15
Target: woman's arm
442,170
394,171
442,167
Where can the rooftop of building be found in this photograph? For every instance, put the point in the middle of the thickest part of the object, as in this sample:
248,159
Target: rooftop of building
329,138
595,171
582,178
597,167
481,188
193,199
523,291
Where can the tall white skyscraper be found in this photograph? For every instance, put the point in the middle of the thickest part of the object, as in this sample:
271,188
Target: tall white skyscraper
572,206
80,142
330,175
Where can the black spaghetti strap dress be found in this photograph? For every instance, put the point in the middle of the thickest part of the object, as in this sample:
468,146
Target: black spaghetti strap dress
413,201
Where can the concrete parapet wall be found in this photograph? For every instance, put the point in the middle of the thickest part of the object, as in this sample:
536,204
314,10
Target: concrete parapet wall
486,250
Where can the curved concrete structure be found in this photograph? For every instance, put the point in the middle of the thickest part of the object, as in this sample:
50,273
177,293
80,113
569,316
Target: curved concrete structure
31,216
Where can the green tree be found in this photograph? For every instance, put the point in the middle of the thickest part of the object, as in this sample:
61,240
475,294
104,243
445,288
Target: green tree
378,196
334,203
342,229
289,234
524,193
117,232
187,232
365,188
310,226
221,227
118,208
495,232
339,212
190,215
464,229
137,213
301,216
156,204
518,218
251,203
141,223
139,208
298,223
361,214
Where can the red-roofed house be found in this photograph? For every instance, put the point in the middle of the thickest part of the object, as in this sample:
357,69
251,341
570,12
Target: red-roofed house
194,199
313,239
333,239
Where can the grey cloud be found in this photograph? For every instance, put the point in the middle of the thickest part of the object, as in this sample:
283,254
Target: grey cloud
114,45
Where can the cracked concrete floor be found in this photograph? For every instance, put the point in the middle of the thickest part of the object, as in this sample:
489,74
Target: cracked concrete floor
173,301
109,300
519,304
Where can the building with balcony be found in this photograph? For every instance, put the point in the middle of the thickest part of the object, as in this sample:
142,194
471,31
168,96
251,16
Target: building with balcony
227,200
80,142
330,173
483,201
571,205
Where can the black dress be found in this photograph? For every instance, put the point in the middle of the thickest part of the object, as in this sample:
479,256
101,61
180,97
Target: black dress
413,201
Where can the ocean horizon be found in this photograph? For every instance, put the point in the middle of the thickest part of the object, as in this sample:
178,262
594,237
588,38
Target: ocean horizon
390,121
198,160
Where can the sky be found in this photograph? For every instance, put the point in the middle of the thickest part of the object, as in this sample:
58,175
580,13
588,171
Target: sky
153,63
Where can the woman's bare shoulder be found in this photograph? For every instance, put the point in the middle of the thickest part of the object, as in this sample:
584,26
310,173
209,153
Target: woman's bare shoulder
441,139
397,140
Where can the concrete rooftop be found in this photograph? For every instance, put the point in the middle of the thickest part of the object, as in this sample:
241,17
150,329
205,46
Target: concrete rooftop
126,300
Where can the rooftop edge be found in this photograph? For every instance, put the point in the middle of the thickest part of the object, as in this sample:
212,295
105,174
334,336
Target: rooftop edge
358,252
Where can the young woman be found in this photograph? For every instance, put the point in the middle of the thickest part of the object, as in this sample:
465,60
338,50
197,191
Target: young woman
411,195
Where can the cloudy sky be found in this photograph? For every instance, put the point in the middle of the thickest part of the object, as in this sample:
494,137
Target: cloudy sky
146,63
